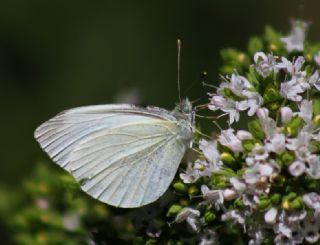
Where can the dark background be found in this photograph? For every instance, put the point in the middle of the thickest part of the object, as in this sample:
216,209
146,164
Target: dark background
60,54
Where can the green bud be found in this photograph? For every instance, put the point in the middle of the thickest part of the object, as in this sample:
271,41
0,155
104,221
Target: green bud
238,203
293,126
151,242
271,94
316,107
219,180
264,204
180,187
296,204
174,210
287,158
275,198
184,202
193,190
248,145
227,158
255,45
273,106
291,201
255,129
209,216
316,120
291,196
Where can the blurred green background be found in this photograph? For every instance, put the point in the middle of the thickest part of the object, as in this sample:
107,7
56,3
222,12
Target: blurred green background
60,54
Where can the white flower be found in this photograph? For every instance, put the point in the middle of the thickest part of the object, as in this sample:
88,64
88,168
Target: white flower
300,144
291,90
297,168
277,143
237,184
294,69
305,111
270,217
191,175
237,84
286,114
265,65
212,196
294,42
209,149
189,215
228,139
268,124
235,216
253,102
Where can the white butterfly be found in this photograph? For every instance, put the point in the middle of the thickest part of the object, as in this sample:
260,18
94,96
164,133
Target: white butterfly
121,154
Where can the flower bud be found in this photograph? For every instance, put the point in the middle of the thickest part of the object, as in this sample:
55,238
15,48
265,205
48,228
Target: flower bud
174,210
316,120
248,145
286,158
286,114
243,135
255,129
209,216
227,158
275,198
264,204
180,187
262,113
270,216
193,190
296,204
293,127
229,194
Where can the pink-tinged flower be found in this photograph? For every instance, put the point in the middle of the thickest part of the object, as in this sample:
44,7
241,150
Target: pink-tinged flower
277,143
314,80
313,166
312,200
265,64
297,168
218,102
243,135
228,139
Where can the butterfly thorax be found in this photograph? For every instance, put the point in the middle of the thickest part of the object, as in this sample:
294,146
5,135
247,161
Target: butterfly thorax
185,115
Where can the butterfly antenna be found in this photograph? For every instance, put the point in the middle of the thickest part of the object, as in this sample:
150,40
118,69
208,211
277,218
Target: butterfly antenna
178,75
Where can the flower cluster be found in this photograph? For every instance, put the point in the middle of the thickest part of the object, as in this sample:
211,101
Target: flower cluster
263,179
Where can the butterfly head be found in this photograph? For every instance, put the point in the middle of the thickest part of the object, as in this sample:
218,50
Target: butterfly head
184,111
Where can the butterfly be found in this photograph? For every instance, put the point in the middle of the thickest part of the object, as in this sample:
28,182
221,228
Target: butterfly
121,154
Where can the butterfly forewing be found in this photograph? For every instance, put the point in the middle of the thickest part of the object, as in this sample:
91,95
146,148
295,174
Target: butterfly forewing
121,154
